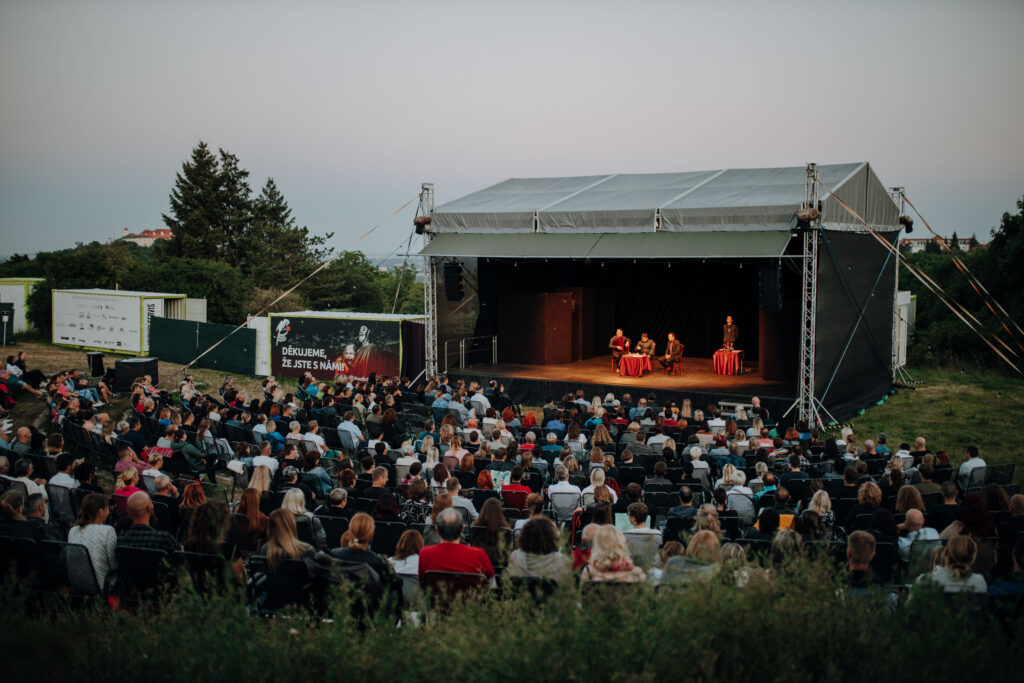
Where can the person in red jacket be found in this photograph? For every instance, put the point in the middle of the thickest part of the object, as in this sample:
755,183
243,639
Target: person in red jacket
451,555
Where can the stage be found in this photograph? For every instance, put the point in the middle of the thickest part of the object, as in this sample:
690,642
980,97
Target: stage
532,384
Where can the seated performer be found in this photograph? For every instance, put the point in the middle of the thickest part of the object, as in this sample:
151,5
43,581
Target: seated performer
730,333
619,345
645,346
673,353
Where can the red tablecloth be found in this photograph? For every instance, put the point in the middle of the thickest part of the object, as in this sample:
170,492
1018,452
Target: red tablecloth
635,365
727,362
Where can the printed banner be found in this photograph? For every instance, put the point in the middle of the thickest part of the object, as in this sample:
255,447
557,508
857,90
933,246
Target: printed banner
329,347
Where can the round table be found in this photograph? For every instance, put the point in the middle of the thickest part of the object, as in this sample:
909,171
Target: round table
728,362
634,364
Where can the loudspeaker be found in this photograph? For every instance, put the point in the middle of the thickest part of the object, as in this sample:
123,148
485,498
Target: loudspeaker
770,287
95,360
126,371
453,281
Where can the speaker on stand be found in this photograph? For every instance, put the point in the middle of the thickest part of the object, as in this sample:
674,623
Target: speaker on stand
453,286
770,287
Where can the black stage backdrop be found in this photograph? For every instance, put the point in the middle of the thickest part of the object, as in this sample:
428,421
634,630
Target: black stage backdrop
855,274
690,298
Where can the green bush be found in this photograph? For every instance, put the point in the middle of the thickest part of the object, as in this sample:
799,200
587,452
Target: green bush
797,626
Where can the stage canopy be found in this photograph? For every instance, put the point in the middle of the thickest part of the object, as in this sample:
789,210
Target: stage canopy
674,215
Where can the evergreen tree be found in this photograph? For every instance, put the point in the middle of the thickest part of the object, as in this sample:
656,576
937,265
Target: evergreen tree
235,198
277,251
954,242
197,216
972,244
932,247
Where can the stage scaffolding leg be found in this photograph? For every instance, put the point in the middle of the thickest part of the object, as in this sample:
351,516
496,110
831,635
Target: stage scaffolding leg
805,402
426,208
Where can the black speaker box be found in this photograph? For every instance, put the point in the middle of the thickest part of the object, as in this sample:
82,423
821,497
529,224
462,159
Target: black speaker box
453,290
127,370
95,360
770,287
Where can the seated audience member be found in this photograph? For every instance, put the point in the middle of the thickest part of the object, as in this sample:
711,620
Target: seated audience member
913,530
283,541
581,554
360,536
643,541
92,531
140,534
538,555
450,554
610,559
337,505
953,574
948,511
860,550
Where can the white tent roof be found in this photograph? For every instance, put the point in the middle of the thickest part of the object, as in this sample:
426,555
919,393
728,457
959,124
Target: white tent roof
722,200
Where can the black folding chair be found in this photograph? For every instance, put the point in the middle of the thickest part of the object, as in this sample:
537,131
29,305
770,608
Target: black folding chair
385,537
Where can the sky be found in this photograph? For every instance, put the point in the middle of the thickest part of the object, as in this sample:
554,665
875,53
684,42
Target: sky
350,106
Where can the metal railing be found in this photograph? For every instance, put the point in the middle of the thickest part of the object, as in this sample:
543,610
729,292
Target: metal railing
470,350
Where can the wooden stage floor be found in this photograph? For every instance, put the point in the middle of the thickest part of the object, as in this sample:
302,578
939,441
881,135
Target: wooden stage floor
698,376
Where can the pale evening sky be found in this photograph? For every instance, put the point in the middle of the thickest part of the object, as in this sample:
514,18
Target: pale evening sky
349,106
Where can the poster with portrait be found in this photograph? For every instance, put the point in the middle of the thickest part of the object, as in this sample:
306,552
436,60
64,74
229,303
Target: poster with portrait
331,347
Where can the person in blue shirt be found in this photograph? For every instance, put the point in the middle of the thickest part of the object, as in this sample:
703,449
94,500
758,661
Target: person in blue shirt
556,424
273,436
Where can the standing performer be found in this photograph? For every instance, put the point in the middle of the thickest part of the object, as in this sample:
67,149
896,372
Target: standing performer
673,353
730,333
619,345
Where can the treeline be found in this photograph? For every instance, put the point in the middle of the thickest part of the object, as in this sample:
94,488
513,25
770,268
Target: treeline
237,249
940,337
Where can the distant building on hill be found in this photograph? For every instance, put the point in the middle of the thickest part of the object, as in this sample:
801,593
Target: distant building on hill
912,245
147,237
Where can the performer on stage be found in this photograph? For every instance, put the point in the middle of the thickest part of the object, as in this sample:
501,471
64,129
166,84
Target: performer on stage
619,345
730,333
673,353
646,346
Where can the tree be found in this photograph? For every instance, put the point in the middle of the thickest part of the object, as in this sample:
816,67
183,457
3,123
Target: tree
349,283
932,247
972,244
234,196
222,286
401,281
276,251
954,242
197,215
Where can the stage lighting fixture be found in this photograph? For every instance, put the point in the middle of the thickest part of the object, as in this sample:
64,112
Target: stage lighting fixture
421,223
805,216
908,223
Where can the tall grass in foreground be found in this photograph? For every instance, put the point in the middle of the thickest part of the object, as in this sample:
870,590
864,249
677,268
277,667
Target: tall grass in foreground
797,626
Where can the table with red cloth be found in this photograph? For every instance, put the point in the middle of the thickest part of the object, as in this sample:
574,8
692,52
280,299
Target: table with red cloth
634,364
728,362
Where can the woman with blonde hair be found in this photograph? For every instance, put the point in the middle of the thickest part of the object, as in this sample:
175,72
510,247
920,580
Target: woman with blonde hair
426,444
295,503
707,520
686,410
728,477
447,434
602,437
610,559
283,542
107,433
822,504
754,431
260,479
954,574
362,529
572,465
127,482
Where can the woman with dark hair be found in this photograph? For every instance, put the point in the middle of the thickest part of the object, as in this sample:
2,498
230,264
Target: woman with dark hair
249,505
207,531
909,498
810,527
92,531
442,502
417,508
386,509
977,524
490,531
406,560
998,503
391,432
311,465
538,555
603,513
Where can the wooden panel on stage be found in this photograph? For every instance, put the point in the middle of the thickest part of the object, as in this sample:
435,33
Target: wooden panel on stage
535,327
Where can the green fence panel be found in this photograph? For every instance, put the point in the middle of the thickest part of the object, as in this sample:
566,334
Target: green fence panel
179,341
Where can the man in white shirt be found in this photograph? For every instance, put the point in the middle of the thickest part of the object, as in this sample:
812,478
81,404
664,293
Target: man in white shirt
264,458
312,435
454,488
23,473
348,425
65,463
973,461
563,485
915,531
